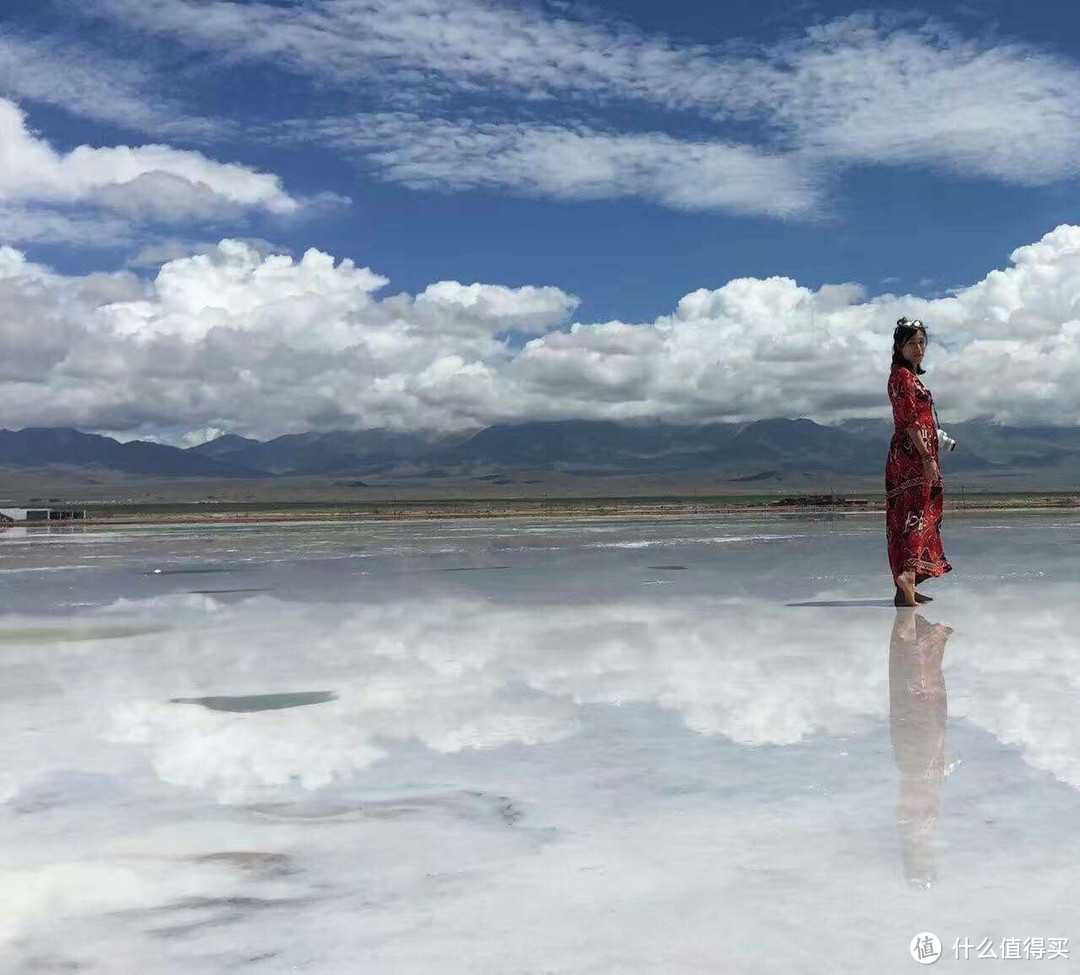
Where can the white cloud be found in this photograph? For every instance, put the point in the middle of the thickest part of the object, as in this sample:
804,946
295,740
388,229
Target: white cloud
519,48
43,320
92,85
755,348
97,196
235,333
491,306
164,250
238,339
238,288
153,180
72,226
575,163
855,90
859,92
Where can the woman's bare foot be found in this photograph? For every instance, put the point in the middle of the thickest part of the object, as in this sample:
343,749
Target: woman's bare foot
905,590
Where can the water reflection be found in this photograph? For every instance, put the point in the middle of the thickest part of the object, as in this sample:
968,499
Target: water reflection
918,715
453,673
17,530
612,775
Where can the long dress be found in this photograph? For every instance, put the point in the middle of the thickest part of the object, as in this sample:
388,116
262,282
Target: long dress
912,506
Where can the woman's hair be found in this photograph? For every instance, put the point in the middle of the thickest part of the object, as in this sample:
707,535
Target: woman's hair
906,329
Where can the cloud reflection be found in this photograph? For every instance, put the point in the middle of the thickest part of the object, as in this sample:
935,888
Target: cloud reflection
456,673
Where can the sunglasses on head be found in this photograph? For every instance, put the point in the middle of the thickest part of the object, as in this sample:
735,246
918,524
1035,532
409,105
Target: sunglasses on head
907,331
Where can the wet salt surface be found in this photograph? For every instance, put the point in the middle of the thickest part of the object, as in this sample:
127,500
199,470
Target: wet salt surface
331,755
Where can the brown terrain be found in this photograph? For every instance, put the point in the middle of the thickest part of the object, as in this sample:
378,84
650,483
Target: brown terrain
116,500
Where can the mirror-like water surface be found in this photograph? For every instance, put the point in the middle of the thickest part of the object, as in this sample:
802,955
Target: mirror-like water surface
691,746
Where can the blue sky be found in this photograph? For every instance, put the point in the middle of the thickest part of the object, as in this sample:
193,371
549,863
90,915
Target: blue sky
625,154
888,227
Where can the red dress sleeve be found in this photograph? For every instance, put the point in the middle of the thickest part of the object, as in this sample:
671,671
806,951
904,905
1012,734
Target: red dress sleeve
905,405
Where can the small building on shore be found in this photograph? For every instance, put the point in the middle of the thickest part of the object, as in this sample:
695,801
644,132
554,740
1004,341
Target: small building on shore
34,516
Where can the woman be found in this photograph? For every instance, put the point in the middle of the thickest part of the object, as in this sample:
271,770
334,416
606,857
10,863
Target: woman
913,489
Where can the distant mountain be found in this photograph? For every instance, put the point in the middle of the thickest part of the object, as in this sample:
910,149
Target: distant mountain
326,453
226,447
37,447
800,445
581,446
769,451
1026,447
756,449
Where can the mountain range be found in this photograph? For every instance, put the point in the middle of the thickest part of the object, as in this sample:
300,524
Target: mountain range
750,452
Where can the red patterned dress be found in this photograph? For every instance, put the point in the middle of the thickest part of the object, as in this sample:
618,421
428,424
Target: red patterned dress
912,507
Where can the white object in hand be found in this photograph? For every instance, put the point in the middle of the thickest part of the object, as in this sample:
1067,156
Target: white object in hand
945,442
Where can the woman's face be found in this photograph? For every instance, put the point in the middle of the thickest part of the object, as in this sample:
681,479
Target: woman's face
914,349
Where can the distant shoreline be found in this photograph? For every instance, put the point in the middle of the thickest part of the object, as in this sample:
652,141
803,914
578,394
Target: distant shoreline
570,509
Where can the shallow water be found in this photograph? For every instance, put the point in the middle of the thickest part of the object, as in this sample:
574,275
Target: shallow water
690,746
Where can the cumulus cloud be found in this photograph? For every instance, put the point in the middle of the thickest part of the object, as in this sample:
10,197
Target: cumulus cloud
742,350
164,250
854,90
574,163
98,196
37,224
230,333
43,319
486,306
153,180
263,344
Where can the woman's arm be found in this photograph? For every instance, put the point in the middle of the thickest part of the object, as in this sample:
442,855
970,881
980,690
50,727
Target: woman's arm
916,433
905,414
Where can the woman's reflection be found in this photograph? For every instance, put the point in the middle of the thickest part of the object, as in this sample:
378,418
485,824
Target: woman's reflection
918,713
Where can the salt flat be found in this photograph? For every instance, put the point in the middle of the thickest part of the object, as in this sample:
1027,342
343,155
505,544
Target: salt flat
534,747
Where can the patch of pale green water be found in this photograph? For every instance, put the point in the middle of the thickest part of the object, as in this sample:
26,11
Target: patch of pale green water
46,635
258,702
